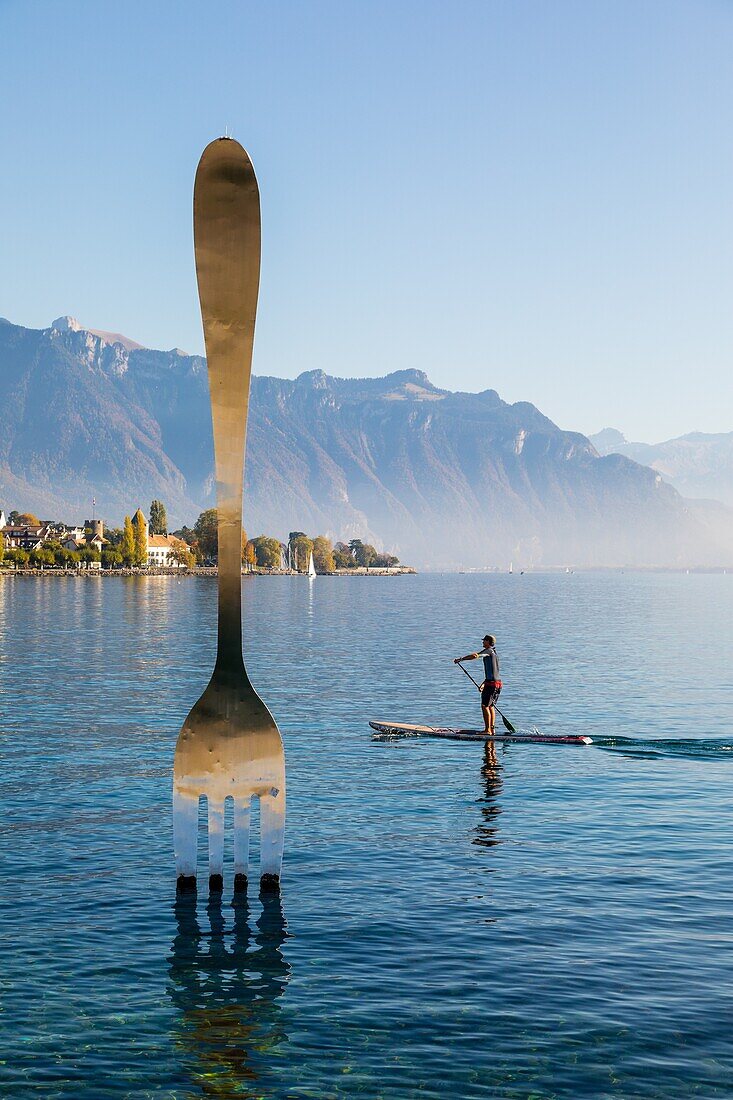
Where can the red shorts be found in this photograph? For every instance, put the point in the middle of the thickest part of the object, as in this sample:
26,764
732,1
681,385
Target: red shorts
490,692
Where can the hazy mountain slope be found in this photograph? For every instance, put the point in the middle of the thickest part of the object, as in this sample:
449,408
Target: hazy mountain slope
698,464
445,479
71,429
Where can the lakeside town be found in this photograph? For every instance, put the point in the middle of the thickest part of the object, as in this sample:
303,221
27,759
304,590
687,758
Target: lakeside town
145,545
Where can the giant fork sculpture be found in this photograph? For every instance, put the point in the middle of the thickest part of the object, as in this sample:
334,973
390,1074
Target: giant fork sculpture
229,745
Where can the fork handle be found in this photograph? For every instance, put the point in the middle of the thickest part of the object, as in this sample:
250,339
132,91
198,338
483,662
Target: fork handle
226,223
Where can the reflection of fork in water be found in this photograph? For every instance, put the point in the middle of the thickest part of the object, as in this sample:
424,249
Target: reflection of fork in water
226,982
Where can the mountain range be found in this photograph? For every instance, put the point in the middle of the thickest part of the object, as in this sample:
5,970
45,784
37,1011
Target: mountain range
443,479
699,464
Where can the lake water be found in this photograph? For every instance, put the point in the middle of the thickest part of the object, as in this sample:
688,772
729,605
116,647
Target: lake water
554,923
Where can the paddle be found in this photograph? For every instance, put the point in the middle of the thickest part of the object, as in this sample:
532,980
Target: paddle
506,721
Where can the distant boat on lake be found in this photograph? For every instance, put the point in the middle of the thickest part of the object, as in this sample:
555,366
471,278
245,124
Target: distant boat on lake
311,566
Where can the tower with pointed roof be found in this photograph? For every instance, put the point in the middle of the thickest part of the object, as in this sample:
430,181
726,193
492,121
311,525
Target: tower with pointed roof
140,523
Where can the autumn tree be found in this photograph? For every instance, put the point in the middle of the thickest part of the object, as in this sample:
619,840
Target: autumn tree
127,546
206,530
250,555
267,551
182,556
27,519
158,518
323,554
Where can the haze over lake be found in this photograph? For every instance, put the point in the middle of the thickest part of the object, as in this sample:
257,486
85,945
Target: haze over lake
554,924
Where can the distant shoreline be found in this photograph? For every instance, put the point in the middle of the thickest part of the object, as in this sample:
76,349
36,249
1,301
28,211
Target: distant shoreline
204,571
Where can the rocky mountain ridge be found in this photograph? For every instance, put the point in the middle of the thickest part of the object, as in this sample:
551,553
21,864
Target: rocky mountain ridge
443,479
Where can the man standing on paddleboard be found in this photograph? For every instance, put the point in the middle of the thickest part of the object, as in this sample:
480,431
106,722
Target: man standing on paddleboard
491,684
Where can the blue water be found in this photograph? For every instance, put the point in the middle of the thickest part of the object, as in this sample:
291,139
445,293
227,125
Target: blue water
550,921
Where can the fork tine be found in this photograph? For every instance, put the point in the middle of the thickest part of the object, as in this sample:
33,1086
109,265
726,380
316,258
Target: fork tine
242,809
185,833
272,835
216,843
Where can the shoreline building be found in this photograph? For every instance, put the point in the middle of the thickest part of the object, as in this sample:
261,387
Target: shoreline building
161,551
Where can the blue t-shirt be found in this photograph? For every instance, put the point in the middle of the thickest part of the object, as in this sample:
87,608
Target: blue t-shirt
491,664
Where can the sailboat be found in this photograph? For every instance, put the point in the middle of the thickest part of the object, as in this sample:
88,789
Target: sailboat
311,566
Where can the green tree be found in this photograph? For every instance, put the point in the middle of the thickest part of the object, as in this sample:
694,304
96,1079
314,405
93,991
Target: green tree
300,549
323,554
18,557
364,553
158,518
114,536
88,554
342,556
291,549
267,551
65,558
127,547
111,558
140,552
42,557
206,530
186,533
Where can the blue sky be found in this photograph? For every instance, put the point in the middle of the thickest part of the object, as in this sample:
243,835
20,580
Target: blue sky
527,196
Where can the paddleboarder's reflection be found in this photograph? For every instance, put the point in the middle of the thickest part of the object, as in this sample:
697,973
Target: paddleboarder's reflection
225,984
487,831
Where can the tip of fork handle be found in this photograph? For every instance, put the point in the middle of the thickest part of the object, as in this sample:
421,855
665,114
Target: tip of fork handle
186,884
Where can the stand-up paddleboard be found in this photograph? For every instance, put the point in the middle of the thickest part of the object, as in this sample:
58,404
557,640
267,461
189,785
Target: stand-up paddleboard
405,729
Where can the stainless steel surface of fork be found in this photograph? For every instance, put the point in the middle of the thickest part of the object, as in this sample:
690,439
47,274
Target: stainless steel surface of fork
229,744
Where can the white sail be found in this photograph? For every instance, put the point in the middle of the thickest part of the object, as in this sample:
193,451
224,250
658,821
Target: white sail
311,566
